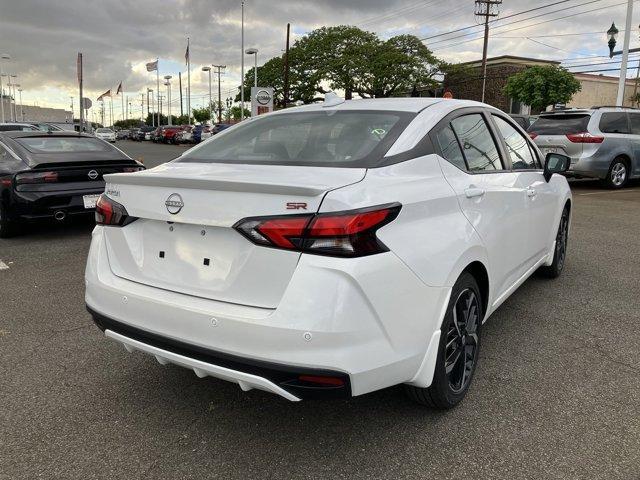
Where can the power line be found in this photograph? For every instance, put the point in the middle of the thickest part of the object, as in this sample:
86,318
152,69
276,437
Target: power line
535,24
503,18
388,16
521,20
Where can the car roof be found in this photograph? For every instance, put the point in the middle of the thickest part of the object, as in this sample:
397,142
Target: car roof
40,133
402,104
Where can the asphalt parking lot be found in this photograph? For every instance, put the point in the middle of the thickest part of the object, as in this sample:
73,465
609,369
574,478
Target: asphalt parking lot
556,394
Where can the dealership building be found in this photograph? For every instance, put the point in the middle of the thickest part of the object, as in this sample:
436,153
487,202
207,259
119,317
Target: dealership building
596,89
32,113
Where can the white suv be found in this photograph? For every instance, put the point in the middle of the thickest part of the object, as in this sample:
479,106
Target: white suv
330,250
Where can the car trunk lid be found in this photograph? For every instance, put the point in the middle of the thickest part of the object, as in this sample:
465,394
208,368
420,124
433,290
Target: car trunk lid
184,239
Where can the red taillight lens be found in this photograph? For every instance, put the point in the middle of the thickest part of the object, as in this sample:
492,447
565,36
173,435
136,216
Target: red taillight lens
109,212
323,381
532,135
343,234
584,137
36,177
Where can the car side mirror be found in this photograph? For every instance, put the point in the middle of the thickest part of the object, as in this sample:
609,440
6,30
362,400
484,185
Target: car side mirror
555,163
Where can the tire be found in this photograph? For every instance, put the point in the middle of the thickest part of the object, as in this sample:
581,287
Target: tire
618,173
464,310
7,227
560,253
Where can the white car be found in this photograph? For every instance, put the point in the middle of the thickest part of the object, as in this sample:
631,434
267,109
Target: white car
330,250
106,134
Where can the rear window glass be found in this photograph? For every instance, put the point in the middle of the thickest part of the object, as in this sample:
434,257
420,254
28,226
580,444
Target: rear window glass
103,130
319,138
20,128
63,144
560,124
615,122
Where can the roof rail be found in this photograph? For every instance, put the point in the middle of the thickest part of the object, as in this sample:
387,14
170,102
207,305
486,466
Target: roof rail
595,107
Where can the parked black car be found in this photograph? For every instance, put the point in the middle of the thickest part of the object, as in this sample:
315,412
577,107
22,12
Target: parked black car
53,175
218,127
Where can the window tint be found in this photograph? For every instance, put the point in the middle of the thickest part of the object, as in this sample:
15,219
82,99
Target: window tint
635,123
450,147
560,124
517,146
615,122
480,150
318,138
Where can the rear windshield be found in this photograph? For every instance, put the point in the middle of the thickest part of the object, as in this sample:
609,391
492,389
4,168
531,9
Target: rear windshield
63,144
560,124
22,128
319,138
103,130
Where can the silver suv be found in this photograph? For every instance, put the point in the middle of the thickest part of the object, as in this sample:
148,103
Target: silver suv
603,142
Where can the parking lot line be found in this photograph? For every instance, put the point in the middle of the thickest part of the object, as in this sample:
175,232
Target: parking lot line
626,190
3,266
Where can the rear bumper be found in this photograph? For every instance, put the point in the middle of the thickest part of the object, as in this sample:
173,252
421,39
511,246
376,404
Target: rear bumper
370,320
42,205
280,379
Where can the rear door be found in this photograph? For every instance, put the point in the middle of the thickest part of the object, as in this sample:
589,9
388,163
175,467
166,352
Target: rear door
184,240
489,193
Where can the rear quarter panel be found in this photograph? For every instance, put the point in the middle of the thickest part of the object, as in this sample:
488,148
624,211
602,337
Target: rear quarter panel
430,235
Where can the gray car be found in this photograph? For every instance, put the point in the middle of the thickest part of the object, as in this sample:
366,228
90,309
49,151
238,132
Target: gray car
603,142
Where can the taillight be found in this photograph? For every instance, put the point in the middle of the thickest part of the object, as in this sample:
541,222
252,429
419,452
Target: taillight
36,177
132,169
109,212
532,135
584,137
343,234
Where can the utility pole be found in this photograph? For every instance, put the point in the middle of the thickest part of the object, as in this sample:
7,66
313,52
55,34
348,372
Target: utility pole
242,66
142,107
486,9
286,70
219,68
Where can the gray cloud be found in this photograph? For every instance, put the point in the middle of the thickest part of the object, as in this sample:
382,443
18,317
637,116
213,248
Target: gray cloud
43,36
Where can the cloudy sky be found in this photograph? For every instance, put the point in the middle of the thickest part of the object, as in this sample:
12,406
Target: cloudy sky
117,37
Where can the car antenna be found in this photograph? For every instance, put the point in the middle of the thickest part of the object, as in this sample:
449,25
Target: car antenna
331,99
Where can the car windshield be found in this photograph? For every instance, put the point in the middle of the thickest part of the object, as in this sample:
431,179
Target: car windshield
560,124
63,144
318,138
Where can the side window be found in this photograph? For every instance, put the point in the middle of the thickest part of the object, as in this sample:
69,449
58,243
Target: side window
479,148
635,123
614,122
9,163
450,147
517,146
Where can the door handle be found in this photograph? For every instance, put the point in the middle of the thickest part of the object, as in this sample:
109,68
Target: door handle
531,192
474,192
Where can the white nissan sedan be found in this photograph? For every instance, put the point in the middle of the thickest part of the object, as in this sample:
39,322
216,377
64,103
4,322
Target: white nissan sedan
330,250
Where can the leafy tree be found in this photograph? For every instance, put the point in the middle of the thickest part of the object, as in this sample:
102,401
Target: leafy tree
540,86
396,66
129,123
152,119
335,54
201,114
234,113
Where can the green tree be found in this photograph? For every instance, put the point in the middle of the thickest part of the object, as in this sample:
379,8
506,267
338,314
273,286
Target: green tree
540,86
201,114
234,113
129,123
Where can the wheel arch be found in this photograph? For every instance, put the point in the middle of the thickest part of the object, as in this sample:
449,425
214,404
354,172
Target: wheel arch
478,270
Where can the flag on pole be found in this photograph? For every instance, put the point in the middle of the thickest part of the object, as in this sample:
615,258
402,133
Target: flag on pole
152,66
119,90
186,54
105,94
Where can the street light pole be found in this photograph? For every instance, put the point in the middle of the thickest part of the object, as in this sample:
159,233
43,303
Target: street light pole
219,69
208,69
21,109
3,56
168,84
254,52
625,55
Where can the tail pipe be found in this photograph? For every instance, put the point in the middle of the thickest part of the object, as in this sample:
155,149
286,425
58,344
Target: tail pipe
59,215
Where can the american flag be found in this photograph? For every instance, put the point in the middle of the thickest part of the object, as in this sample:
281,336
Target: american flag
152,66
186,54
105,94
119,90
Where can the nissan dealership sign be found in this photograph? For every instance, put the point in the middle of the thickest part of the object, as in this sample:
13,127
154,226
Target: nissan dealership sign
261,100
